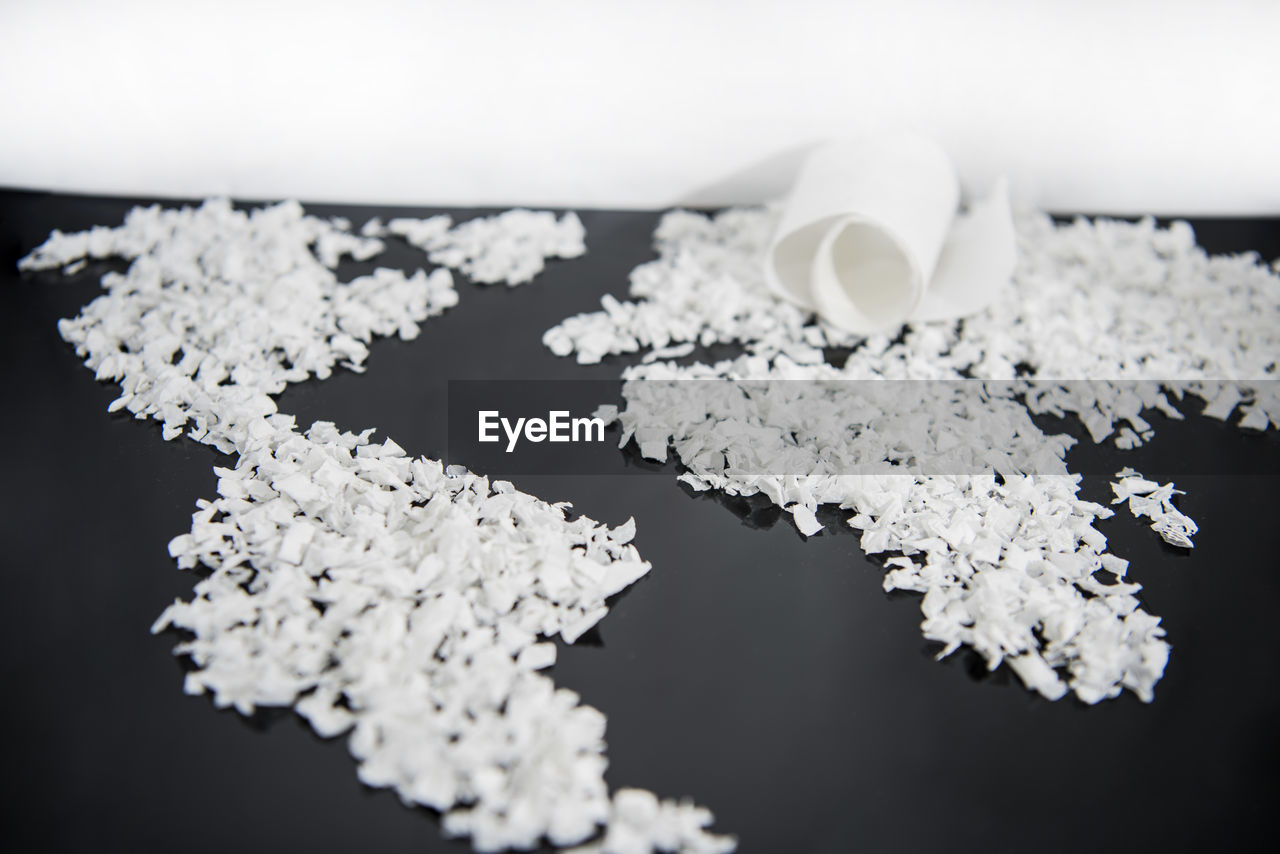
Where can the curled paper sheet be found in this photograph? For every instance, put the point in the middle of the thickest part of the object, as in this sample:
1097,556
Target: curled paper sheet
870,237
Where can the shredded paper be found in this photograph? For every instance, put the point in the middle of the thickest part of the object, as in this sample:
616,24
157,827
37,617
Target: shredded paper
383,597
1108,318
410,606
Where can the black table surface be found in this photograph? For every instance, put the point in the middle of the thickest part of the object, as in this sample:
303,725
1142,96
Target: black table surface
767,676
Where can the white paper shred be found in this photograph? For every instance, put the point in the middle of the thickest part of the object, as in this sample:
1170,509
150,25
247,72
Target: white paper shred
383,597
1008,563
1150,499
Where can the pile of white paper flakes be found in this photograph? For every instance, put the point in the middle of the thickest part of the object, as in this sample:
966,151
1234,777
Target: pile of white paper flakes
510,247
1009,563
377,594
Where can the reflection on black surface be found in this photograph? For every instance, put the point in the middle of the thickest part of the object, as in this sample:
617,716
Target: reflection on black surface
92,272
759,513
974,665
632,459
836,519
755,511
265,718
592,637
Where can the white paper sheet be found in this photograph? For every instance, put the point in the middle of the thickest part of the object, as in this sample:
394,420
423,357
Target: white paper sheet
870,237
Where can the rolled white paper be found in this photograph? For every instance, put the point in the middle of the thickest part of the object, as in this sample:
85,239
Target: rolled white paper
975,262
869,237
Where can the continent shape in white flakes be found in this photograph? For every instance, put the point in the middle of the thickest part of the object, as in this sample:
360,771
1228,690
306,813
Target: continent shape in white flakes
1006,561
379,595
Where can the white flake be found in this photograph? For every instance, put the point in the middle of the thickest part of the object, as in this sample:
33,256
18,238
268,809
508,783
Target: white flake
293,544
537,656
806,519
1150,499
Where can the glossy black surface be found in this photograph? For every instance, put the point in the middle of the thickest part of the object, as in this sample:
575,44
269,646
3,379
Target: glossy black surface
766,676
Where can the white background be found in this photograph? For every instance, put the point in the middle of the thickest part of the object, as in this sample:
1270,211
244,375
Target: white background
1123,106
